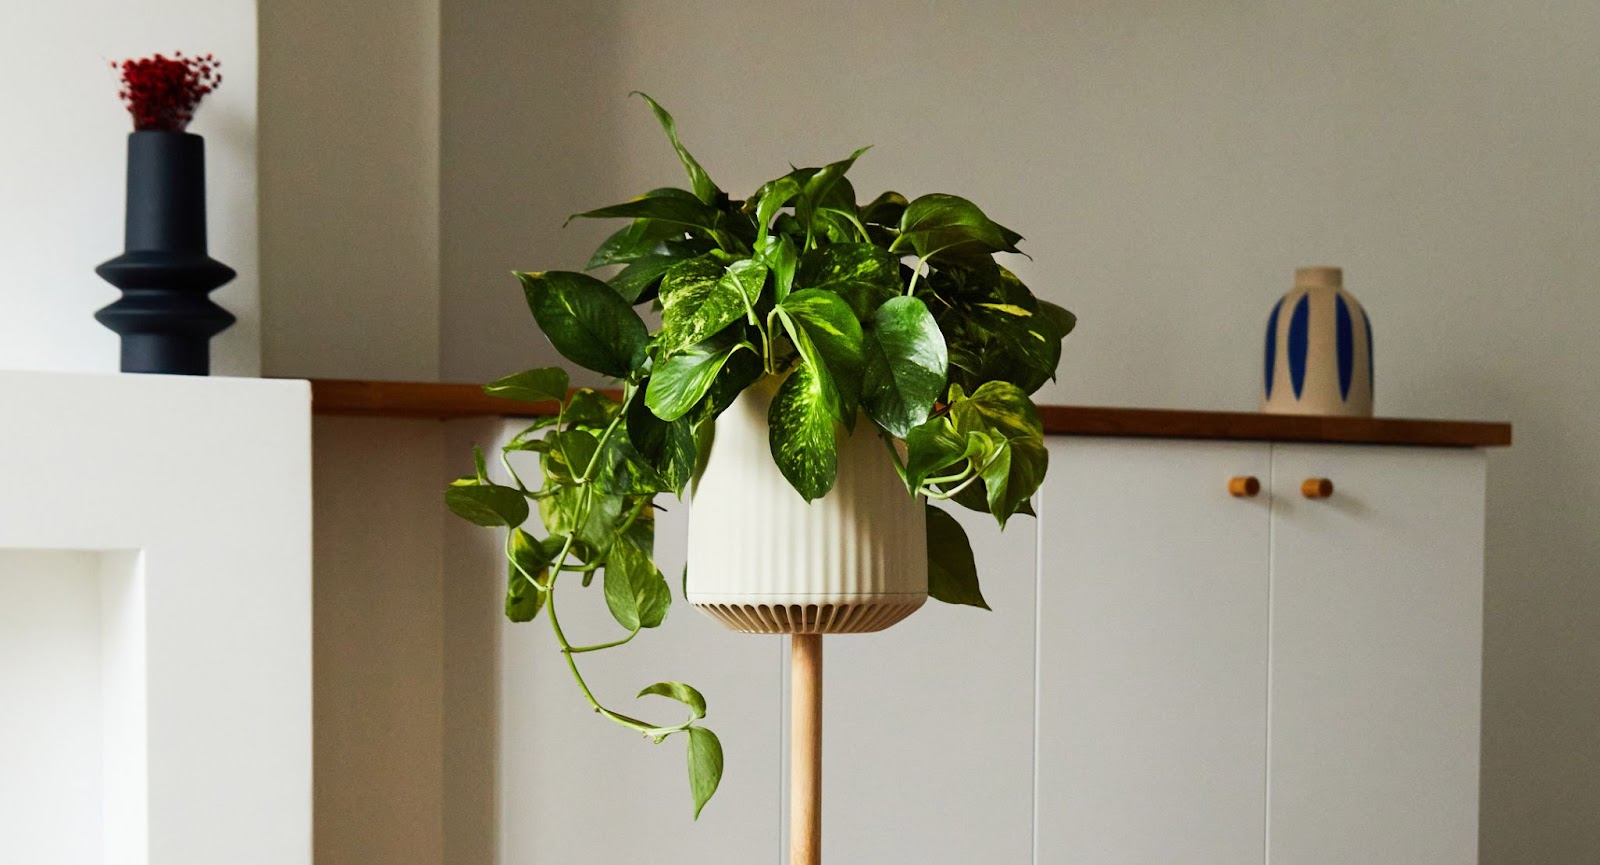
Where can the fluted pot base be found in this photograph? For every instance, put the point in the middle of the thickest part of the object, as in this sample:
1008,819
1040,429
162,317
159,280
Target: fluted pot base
811,617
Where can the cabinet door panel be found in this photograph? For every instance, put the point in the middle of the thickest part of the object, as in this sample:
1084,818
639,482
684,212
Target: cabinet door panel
928,726
1152,655
1376,635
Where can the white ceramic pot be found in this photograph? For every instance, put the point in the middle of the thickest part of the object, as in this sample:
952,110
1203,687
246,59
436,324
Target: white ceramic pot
1319,349
762,560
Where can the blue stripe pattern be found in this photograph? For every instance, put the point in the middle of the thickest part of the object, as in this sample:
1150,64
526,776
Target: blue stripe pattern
1345,332
1372,376
1299,343
1272,344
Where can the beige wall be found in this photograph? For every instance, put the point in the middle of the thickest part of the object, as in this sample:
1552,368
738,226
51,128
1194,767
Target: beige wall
350,189
1170,162
378,642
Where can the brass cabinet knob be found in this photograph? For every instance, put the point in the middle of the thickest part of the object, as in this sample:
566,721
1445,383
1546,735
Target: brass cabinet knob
1244,486
1316,488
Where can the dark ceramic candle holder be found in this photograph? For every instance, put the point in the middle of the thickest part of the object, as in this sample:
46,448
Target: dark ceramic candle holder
165,318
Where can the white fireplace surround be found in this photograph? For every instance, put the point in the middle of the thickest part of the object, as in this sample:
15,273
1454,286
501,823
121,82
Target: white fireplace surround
155,620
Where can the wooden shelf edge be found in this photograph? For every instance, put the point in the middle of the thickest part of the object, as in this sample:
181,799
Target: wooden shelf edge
421,400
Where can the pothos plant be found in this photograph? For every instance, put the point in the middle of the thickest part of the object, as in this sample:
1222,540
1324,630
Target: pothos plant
889,319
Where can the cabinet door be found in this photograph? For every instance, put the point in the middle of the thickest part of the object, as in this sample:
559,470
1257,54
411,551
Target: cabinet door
1376,633
1152,655
928,726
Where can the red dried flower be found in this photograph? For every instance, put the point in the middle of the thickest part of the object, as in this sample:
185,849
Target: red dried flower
162,93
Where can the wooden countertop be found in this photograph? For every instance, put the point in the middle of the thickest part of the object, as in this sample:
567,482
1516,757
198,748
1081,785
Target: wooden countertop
448,401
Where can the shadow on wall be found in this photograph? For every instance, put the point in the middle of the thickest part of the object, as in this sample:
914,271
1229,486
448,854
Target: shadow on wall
1539,657
505,102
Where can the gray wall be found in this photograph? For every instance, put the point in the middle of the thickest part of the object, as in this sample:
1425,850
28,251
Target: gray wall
1170,163
349,152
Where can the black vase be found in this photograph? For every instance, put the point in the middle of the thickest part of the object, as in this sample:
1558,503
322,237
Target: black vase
164,317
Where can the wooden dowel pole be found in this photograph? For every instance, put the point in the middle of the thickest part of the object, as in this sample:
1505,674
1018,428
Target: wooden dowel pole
805,749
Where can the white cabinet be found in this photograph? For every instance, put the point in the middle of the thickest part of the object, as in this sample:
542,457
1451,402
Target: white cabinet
1152,654
1275,679
1376,634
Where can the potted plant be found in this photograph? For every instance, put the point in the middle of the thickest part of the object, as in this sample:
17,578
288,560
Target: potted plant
869,357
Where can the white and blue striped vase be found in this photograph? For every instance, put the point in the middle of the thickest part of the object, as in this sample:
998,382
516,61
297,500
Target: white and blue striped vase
1319,349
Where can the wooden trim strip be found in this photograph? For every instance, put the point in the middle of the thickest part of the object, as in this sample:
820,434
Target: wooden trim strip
1252,426
447,401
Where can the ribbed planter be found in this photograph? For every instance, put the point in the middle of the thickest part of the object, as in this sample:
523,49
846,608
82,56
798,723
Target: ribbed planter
762,560
164,317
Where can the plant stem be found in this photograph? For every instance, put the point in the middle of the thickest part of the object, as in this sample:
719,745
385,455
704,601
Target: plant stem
567,649
506,461
771,361
573,650
950,479
976,474
915,273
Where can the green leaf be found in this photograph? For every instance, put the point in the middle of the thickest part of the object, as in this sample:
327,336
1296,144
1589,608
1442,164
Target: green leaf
625,472
589,408
801,435
682,693
906,365
1014,477
996,405
696,303
747,277
934,445
866,276
559,512
886,209
1014,469
705,766
534,385
668,448
704,188
642,534
523,601
829,195
586,321
743,369
952,572
528,556
634,282
486,504
524,441
668,207
941,223
635,591
783,260
831,342
569,454
636,240
1059,320
479,465
774,194
680,381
